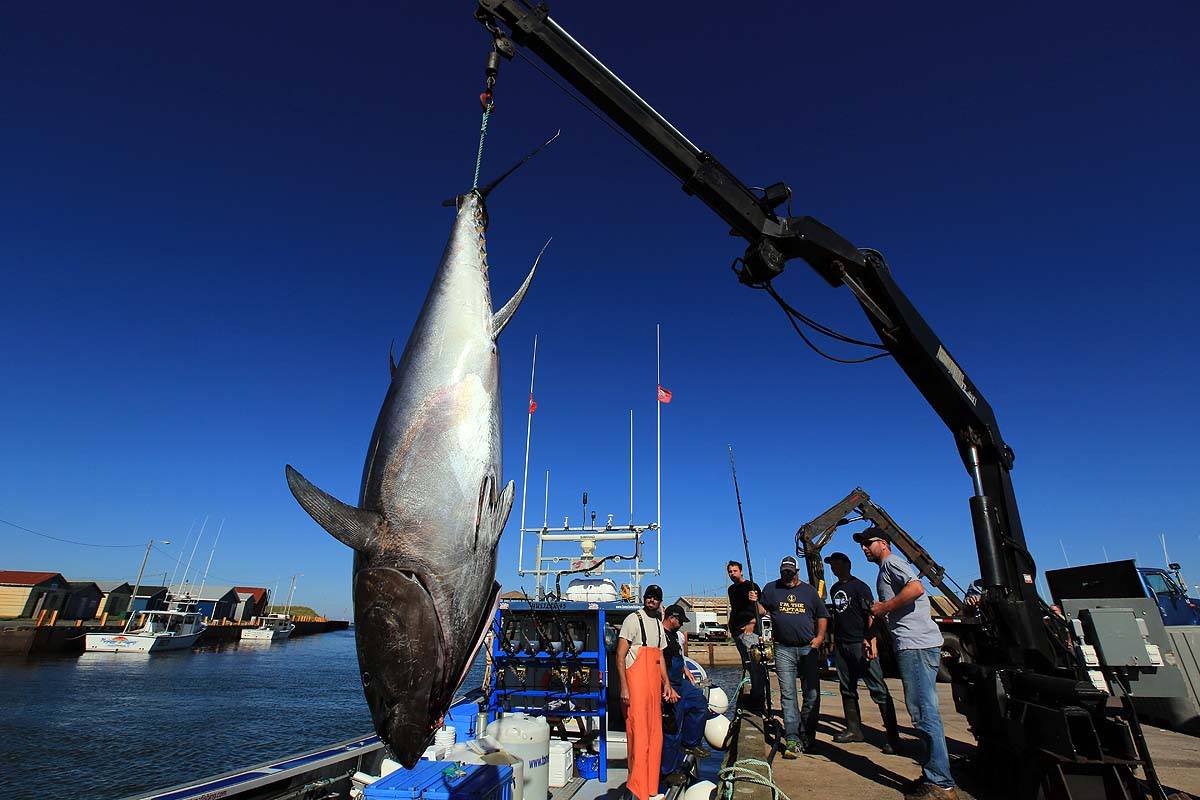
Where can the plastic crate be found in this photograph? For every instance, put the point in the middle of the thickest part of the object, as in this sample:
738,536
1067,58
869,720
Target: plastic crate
444,780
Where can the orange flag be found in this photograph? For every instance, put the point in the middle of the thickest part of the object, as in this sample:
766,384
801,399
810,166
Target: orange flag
532,404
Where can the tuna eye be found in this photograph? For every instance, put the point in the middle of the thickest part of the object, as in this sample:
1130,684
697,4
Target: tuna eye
366,678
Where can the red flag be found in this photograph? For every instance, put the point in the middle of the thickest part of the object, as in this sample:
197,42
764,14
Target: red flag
532,404
664,394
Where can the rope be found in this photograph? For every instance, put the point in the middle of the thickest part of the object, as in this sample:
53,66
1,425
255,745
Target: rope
740,771
487,112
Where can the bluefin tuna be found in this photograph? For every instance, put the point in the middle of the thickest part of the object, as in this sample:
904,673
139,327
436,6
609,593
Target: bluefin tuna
431,508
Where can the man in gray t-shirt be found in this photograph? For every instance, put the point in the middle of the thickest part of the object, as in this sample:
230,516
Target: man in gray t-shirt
918,644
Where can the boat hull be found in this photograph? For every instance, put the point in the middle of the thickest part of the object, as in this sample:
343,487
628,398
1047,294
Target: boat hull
261,635
129,643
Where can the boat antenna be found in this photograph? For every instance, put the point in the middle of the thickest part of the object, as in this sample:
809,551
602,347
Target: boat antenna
138,583
204,580
631,468
742,519
199,536
525,479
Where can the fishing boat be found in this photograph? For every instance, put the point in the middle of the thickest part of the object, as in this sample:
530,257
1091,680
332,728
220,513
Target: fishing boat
159,632
270,628
273,627
176,628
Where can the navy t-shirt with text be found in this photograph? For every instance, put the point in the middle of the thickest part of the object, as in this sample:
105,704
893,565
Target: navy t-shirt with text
794,612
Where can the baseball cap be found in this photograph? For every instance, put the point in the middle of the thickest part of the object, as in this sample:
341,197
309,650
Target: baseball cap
675,610
790,563
835,557
653,590
867,534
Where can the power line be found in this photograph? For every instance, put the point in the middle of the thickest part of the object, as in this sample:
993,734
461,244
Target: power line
60,539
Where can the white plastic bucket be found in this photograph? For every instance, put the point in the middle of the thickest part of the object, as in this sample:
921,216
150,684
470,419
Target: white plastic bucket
528,738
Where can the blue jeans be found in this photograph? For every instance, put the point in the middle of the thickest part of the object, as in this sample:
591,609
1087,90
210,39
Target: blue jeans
918,673
803,662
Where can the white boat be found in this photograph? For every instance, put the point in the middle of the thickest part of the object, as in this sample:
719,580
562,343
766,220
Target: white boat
161,631
271,628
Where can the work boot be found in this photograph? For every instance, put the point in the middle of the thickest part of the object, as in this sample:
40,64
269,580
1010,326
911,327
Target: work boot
930,791
792,748
888,712
853,732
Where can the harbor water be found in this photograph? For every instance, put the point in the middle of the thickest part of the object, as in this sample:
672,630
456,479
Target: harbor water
104,725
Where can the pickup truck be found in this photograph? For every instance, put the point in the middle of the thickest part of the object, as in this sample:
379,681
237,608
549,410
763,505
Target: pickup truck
1126,579
710,631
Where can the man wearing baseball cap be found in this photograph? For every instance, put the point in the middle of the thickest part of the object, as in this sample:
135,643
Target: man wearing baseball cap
918,643
854,653
691,712
644,685
798,621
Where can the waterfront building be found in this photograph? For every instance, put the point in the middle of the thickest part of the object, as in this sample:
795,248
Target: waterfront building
252,602
27,594
212,602
114,598
149,598
716,605
83,598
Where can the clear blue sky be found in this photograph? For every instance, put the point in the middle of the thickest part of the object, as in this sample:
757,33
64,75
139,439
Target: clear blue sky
215,219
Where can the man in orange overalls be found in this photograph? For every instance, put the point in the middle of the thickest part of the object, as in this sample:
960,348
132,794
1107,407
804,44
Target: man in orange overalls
644,685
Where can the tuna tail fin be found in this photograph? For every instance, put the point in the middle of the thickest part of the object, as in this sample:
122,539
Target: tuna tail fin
353,527
493,513
501,317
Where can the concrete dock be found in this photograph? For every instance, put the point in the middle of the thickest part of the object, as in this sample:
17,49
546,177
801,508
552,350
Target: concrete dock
861,772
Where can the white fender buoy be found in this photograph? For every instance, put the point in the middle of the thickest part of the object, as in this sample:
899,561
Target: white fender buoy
700,790
715,731
718,701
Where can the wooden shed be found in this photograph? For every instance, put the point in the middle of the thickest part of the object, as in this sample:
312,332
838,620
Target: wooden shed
26,594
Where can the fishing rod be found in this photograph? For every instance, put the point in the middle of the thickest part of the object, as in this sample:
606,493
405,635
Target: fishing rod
741,518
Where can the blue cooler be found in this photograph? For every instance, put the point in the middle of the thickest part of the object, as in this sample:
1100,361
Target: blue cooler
444,780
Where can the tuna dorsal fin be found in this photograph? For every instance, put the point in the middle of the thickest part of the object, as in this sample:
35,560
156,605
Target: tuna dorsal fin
353,527
392,358
501,317
493,513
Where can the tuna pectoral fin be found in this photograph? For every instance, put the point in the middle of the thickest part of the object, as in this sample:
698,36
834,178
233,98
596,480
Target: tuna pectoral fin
493,513
351,526
501,317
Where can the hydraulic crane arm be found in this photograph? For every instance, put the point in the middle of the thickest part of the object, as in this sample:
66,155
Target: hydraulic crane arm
1025,695
812,537
1005,564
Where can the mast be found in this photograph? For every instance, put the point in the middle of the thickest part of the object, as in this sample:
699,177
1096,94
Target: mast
204,580
138,584
199,536
631,467
179,557
658,439
525,477
290,593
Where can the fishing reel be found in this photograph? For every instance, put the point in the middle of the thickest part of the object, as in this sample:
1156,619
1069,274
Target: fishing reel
763,652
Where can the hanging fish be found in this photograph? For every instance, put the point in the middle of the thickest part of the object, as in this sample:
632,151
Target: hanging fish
431,508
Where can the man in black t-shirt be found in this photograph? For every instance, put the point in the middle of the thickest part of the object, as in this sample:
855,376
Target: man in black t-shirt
741,605
855,654
743,602
798,622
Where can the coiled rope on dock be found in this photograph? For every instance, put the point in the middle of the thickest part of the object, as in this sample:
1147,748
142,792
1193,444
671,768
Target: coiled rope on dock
741,770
